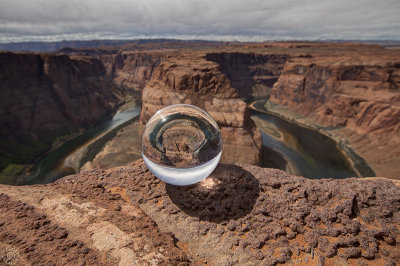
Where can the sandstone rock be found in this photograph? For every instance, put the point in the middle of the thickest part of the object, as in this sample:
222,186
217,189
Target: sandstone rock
355,99
44,96
250,74
193,80
124,148
130,69
241,214
79,223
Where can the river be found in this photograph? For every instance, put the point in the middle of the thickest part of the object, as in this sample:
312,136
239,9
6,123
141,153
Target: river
56,163
287,146
300,150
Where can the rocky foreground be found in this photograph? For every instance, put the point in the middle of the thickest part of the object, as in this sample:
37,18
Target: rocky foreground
240,214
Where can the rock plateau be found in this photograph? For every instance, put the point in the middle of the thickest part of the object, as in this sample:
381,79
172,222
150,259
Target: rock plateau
241,214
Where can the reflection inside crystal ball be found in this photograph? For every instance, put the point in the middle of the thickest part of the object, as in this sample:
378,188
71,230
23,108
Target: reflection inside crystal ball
181,144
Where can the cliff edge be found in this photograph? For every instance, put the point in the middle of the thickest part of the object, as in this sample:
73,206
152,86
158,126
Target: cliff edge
44,97
353,97
241,214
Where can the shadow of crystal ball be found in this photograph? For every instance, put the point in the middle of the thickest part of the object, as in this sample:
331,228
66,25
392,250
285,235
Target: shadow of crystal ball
181,144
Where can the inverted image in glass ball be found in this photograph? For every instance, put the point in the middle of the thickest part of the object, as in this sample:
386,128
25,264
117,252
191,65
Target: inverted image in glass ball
181,144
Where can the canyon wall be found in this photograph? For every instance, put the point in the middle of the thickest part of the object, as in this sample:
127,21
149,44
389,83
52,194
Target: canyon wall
131,69
193,80
250,74
354,98
44,96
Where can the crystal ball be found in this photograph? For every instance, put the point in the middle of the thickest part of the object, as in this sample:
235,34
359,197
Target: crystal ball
181,144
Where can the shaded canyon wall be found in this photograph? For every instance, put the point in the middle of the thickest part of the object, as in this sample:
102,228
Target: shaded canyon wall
131,70
44,96
250,74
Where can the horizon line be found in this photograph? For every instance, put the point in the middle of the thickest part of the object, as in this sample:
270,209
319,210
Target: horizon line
207,40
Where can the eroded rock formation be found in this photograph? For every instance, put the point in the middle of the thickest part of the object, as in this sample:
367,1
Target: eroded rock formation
130,69
355,98
241,214
250,74
44,96
193,80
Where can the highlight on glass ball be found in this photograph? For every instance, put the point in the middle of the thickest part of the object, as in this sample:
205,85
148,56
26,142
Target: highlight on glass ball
181,144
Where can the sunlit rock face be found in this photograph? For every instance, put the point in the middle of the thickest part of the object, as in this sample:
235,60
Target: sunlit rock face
354,94
193,80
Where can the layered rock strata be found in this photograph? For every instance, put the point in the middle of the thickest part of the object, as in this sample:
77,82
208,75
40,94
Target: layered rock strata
250,74
44,96
241,214
354,99
130,69
124,148
193,80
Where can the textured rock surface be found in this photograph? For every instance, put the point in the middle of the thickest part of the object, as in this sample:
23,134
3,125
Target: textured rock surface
43,96
354,95
349,91
193,80
250,74
239,215
78,222
130,69
124,148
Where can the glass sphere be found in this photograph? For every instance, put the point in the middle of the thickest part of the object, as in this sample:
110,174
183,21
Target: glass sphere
181,144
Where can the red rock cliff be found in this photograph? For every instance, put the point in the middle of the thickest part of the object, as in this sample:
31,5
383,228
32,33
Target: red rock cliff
357,95
130,69
193,80
43,96
250,74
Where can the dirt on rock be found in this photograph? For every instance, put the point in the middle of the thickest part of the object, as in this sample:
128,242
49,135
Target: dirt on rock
79,222
240,214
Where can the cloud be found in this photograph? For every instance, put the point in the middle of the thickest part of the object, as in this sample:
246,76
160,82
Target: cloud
226,20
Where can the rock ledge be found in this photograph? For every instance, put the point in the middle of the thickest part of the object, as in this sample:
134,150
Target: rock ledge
240,214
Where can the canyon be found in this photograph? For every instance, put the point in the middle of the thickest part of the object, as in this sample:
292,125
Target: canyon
116,212
131,69
44,97
352,97
348,92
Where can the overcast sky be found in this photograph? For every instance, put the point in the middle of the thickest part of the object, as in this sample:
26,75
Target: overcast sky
247,20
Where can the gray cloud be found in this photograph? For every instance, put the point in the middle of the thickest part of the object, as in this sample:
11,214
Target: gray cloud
227,20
